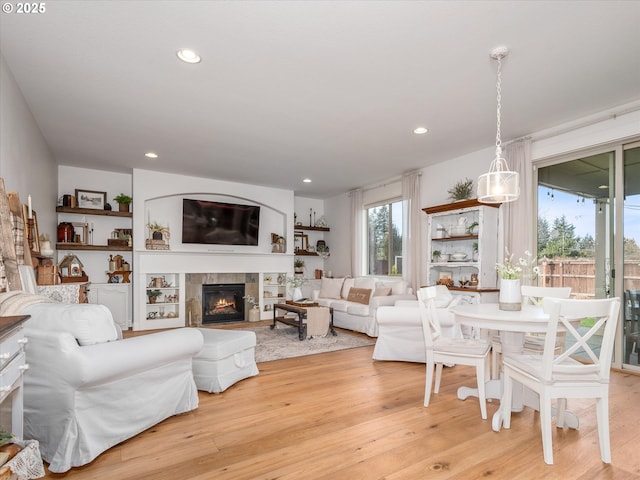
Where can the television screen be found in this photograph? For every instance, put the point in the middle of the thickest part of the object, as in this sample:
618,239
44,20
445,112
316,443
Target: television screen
219,223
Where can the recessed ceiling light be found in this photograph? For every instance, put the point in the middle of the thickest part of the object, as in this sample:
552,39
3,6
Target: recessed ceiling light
189,56
151,155
420,131
307,180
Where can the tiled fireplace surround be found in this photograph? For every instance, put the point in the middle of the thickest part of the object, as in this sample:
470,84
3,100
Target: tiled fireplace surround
193,289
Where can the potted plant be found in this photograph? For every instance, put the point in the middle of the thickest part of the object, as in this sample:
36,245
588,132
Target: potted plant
475,251
473,228
435,256
153,295
123,202
462,190
158,232
298,265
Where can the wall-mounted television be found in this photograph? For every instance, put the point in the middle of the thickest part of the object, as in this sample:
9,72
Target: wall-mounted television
218,223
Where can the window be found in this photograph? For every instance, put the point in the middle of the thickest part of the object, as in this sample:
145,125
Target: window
384,239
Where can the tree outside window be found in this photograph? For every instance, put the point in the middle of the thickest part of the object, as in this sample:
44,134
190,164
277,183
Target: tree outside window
384,246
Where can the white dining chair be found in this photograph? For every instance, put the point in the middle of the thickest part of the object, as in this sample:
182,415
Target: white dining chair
533,342
445,350
560,376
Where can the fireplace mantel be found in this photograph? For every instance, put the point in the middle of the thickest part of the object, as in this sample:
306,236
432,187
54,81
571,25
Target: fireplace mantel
153,261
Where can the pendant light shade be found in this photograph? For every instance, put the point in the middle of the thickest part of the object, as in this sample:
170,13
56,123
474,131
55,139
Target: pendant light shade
499,185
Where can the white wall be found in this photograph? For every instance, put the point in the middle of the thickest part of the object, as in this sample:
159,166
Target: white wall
611,128
26,164
338,215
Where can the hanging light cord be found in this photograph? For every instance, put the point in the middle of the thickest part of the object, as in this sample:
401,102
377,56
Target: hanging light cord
499,98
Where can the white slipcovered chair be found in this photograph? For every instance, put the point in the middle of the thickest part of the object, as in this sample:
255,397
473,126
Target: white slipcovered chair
87,389
560,376
400,336
442,350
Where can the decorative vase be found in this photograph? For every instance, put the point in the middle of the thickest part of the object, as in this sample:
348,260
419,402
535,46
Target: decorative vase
296,294
510,296
254,314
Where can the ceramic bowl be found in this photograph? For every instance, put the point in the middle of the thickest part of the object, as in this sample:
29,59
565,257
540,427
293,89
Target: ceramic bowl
458,256
458,231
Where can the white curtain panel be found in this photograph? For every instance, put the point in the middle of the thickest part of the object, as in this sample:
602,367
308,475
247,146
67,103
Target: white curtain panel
411,224
358,229
520,216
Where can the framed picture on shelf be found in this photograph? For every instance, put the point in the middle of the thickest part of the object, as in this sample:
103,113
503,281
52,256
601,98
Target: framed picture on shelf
445,276
91,199
300,241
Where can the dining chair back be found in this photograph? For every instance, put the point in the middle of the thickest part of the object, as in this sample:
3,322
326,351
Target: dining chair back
560,376
533,342
533,295
450,351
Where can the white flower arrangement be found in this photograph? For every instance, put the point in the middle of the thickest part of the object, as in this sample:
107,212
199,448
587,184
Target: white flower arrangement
525,267
296,281
251,300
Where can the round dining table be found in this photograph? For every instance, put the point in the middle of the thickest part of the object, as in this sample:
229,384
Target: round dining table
512,327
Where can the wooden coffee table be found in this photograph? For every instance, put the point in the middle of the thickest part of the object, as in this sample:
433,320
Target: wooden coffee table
299,320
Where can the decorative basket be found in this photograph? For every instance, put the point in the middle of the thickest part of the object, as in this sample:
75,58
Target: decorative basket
151,244
25,465
117,242
47,275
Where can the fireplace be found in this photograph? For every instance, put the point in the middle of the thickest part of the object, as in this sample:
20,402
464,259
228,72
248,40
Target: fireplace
222,302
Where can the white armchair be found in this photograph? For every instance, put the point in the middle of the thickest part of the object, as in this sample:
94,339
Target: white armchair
87,390
400,336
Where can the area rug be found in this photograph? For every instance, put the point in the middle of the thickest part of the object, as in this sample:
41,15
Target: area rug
283,342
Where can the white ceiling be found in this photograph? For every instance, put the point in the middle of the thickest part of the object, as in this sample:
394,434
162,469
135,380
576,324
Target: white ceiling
329,90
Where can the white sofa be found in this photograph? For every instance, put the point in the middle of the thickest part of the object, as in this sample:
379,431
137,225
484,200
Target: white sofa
400,336
358,312
87,390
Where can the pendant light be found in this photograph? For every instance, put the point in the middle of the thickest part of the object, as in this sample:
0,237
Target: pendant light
500,185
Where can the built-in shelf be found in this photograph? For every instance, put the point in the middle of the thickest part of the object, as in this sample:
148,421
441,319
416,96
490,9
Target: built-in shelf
304,253
447,207
95,248
91,211
315,229
461,237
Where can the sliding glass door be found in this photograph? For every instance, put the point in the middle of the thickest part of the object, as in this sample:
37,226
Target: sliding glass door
589,229
631,255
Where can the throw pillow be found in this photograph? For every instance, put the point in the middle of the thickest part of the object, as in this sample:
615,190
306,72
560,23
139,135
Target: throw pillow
331,288
382,291
397,288
359,295
365,282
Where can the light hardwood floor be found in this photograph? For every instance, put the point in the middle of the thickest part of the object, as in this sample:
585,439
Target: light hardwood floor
341,415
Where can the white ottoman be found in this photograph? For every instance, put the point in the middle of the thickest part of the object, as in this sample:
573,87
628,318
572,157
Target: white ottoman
227,357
